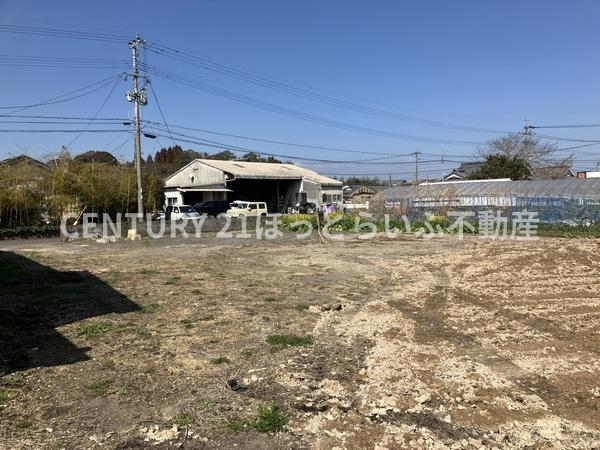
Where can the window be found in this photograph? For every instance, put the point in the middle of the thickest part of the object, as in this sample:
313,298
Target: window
171,201
253,206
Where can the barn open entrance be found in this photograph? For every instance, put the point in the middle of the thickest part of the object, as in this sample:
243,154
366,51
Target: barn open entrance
279,194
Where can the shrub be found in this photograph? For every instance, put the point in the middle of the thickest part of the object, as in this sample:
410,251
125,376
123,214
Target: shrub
269,418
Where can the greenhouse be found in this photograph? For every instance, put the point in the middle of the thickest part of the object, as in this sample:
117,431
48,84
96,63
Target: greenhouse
554,200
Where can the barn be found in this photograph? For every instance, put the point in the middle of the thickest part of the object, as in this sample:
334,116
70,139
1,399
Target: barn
281,186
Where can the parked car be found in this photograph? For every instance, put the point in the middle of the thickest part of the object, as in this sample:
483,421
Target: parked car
212,207
180,212
248,209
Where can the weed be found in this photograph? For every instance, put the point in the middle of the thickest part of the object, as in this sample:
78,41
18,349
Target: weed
269,418
237,425
187,323
270,299
93,330
150,308
302,306
288,340
100,388
173,280
220,360
4,394
24,425
205,404
181,420
108,364
149,272
122,391
247,353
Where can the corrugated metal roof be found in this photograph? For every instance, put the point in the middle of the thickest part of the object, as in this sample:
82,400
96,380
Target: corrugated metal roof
569,187
244,169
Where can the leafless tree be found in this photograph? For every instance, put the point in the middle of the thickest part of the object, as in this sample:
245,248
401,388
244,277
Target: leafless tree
528,148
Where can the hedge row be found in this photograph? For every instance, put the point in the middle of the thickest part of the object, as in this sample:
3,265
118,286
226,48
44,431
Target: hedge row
29,231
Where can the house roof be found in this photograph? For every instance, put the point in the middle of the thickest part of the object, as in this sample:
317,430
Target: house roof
553,172
258,170
352,189
23,160
464,170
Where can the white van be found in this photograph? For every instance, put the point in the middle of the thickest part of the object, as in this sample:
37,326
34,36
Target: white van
249,209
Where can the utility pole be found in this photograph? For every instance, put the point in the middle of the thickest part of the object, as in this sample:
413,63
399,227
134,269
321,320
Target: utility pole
417,154
138,97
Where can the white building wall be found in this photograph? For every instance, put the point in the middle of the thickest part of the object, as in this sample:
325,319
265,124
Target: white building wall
197,174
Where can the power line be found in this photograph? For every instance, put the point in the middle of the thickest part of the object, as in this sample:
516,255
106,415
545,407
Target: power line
291,144
57,131
207,87
161,112
207,64
96,114
64,97
61,33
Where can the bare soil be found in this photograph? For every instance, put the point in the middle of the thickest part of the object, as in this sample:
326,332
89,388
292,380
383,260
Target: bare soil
415,343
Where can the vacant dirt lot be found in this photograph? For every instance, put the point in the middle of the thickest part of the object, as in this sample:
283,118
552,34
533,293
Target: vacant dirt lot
400,343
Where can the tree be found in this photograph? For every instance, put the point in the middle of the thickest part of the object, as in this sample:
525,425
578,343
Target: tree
94,156
225,155
502,166
523,147
255,157
365,181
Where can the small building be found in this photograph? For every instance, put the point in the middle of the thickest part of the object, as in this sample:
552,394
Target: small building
589,174
463,171
358,195
281,186
552,172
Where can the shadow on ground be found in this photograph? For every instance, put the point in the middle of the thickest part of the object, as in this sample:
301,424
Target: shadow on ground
35,300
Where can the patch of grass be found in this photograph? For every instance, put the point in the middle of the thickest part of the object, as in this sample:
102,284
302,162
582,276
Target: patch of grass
134,328
302,306
173,280
108,364
122,391
237,425
93,330
270,299
247,353
187,323
269,418
220,360
181,420
205,404
150,308
100,388
288,340
24,424
4,394
149,272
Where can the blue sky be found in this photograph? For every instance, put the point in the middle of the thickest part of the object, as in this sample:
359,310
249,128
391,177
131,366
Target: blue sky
489,65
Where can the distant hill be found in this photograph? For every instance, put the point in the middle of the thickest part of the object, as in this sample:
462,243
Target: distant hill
96,156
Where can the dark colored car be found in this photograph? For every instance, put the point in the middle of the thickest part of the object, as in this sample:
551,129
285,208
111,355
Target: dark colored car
211,207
